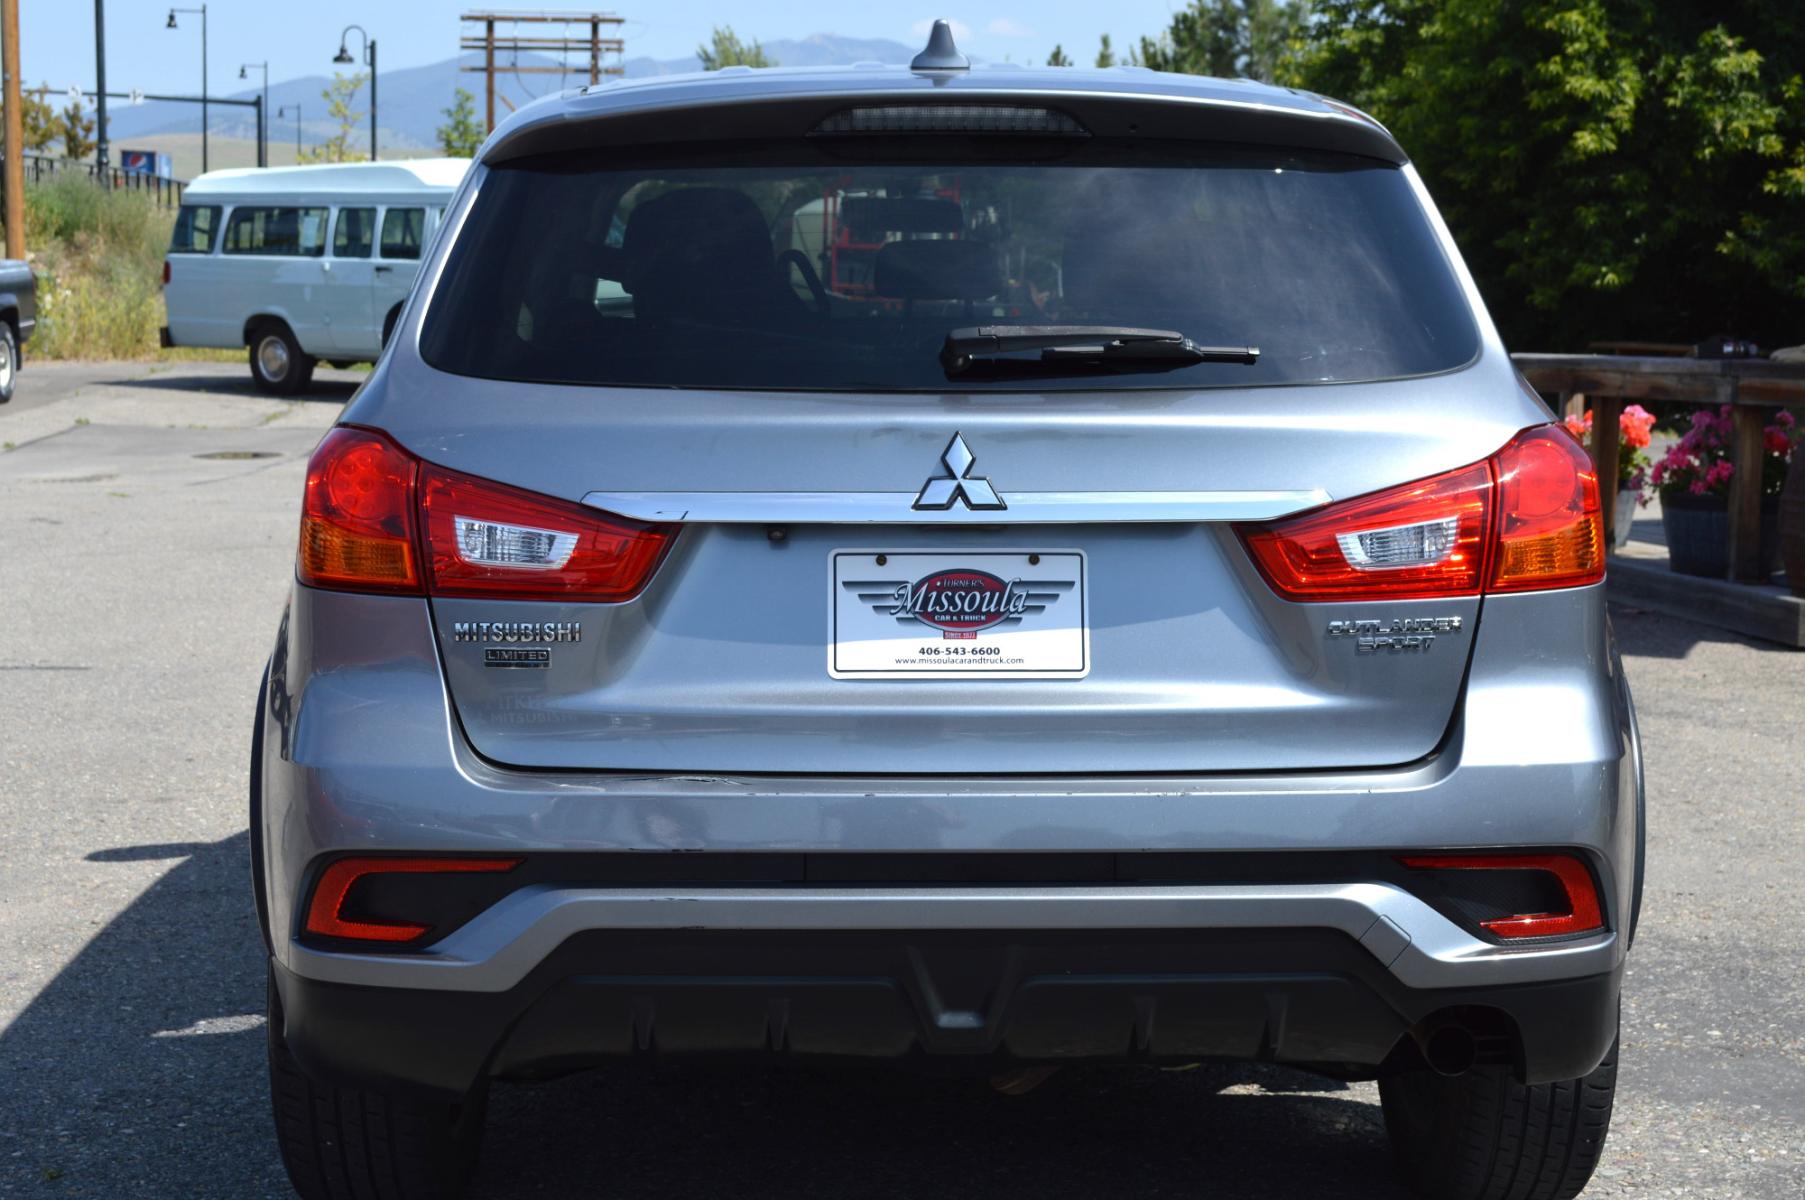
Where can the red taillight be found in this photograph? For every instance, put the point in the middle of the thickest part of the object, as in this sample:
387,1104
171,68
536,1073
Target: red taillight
1583,914
166,270
1420,540
371,508
357,515
487,539
325,913
1527,518
1550,526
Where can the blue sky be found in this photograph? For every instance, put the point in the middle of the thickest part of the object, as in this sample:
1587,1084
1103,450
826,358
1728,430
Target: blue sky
57,36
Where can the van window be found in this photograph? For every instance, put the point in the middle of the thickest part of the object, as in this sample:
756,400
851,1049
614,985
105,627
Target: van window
354,234
292,231
402,232
196,225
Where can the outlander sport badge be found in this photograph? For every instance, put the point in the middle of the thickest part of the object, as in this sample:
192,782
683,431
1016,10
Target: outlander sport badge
940,491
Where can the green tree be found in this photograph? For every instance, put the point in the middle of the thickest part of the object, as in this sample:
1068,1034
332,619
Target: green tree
42,125
1106,55
461,133
77,129
1257,38
339,96
1611,168
1058,58
729,51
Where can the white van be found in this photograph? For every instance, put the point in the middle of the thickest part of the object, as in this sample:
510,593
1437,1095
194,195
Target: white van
302,264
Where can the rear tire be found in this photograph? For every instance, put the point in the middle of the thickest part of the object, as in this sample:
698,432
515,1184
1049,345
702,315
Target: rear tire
9,361
339,1143
1484,1136
278,365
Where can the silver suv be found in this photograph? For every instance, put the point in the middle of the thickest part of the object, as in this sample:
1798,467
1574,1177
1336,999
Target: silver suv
981,567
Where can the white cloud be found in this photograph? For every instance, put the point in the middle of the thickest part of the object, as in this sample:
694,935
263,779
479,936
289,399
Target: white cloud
1006,27
961,31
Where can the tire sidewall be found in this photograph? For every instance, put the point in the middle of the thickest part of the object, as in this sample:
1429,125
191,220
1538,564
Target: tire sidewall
9,346
294,378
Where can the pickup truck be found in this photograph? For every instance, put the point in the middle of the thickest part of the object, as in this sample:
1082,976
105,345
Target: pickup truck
18,317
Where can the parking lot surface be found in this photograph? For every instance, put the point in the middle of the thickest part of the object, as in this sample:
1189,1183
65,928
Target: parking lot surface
147,521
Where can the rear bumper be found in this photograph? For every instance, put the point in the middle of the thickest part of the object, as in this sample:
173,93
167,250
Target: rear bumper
362,754
1311,997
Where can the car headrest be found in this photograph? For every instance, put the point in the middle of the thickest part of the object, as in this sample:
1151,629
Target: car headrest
695,234
938,270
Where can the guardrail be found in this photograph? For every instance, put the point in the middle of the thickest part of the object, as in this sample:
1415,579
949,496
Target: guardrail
166,193
1752,387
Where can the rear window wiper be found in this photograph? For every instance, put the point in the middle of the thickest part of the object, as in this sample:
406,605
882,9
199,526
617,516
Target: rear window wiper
1104,346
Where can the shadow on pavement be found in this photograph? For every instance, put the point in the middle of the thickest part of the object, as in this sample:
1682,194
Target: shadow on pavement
1646,633
335,388
139,1072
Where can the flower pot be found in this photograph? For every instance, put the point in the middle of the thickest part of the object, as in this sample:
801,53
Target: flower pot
1624,517
1792,525
1698,534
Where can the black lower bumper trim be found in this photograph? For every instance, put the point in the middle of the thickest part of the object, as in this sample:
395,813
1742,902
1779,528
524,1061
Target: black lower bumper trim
1304,997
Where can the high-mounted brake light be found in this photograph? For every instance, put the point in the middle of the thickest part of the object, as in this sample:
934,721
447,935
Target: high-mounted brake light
357,515
377,519
1528,518
1583,913
952,118
326,911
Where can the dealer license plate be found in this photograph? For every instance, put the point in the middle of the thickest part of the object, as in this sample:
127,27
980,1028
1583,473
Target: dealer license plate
999,614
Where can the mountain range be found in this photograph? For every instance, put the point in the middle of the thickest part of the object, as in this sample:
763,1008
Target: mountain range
410,102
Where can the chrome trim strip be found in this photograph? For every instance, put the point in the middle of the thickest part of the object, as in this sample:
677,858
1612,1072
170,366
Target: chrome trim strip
897,508
1417,944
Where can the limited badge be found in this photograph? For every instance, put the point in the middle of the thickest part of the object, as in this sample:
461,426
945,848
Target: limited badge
517,656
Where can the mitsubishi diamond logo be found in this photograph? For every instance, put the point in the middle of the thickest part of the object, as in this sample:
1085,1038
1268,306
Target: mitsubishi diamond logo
940,491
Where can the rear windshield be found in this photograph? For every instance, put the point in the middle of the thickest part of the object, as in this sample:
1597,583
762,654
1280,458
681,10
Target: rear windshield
797,270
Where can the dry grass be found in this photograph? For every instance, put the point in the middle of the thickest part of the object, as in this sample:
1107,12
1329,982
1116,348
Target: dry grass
99,257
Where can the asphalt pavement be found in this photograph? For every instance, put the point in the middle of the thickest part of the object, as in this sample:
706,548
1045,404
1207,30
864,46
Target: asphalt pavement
147,519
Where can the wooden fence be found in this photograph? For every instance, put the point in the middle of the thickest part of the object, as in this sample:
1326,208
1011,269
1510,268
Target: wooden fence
1752,388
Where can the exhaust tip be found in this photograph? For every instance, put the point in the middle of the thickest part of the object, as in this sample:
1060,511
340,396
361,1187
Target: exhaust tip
1450,1050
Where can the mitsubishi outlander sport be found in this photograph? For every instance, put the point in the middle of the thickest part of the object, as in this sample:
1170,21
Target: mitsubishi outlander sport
958,566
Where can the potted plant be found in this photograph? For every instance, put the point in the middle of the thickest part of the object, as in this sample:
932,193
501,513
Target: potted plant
1633,426
1693,479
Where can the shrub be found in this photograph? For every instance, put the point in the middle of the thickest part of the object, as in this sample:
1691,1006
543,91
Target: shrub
98,254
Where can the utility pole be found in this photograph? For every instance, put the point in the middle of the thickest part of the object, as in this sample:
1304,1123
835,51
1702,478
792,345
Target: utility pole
593,55
100,88
15,131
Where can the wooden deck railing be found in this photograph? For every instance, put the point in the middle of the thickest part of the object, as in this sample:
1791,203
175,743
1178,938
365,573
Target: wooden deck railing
1752,388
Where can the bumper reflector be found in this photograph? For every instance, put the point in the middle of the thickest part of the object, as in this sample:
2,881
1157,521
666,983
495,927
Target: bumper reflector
325,913
1583,914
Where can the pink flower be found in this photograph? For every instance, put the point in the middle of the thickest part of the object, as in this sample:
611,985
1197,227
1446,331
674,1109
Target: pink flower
1635,424
1579,426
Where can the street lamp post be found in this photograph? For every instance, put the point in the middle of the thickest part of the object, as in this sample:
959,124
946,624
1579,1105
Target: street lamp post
262,113
344,56
100,90
283,113
202,10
